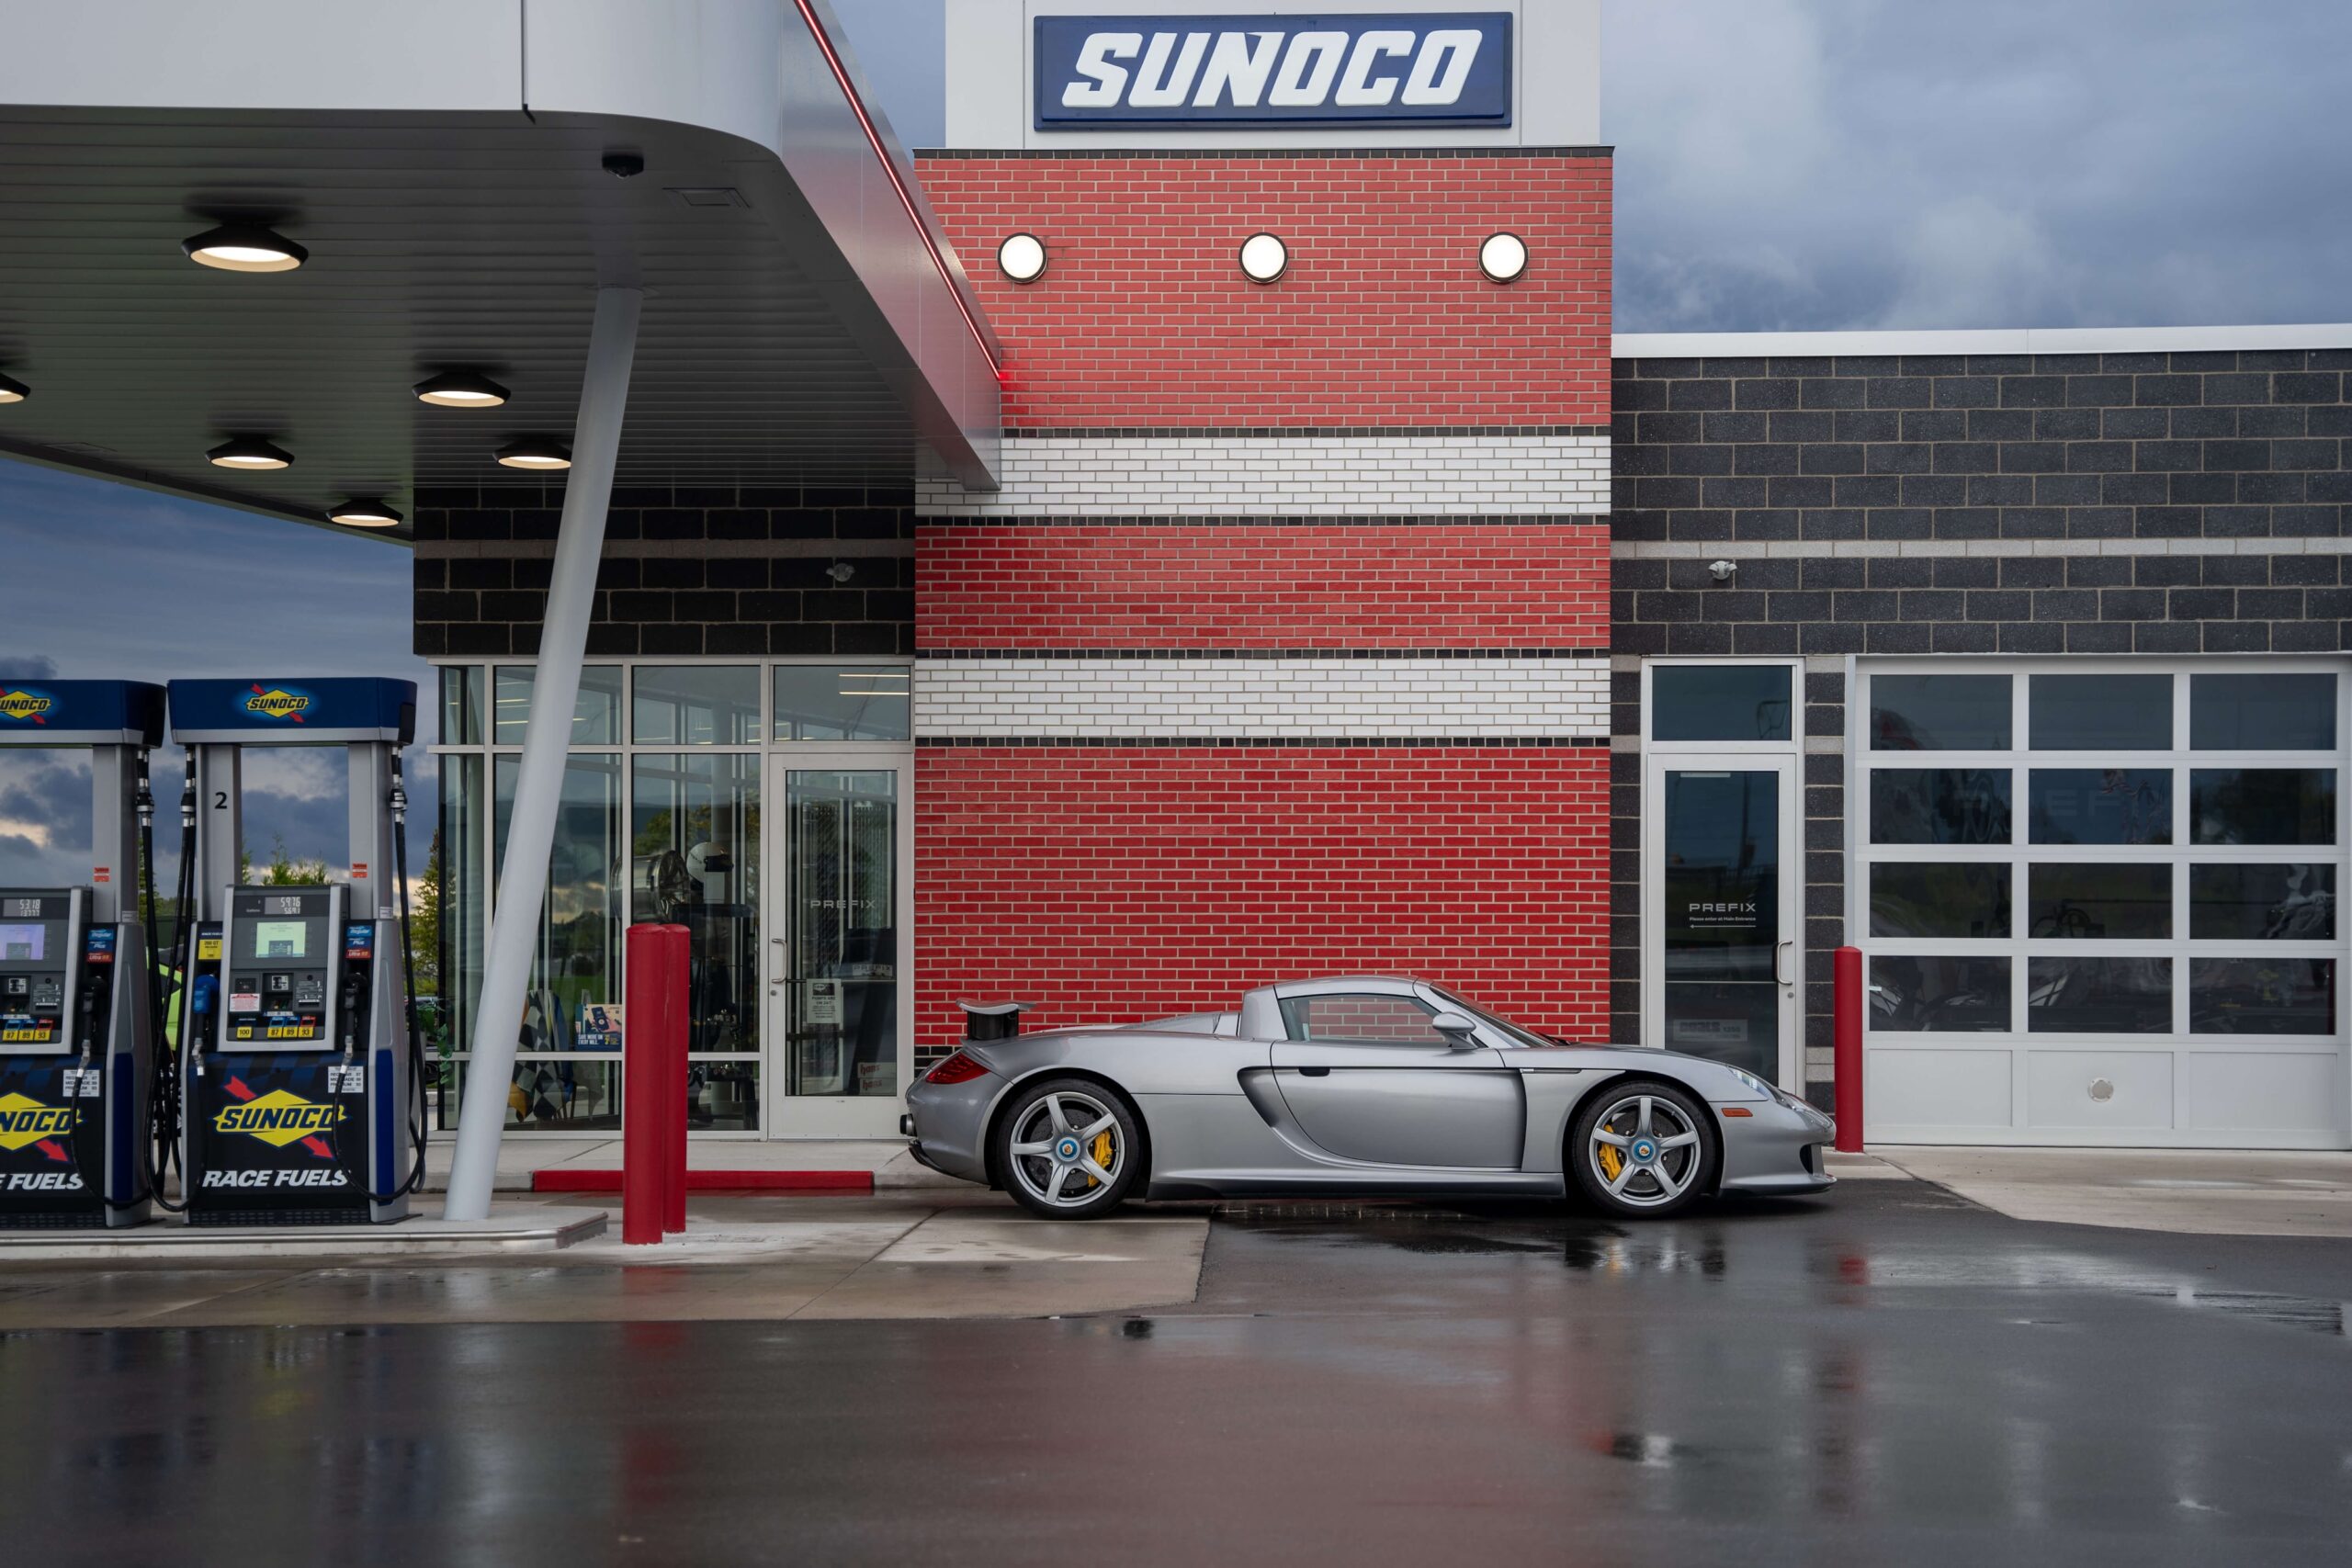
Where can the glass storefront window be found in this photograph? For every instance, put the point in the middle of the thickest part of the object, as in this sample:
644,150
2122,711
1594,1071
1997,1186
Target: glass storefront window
2099,901
2099,805
2101,712
1939,806
577,959
459,909
461,714
695,862
595,718
842,945
2262,805
722,1096
1939,996
2262,903
2098,996
696,704
842,701
2262,996
561,1094
1940,713
2276,711
1940,898
1719,701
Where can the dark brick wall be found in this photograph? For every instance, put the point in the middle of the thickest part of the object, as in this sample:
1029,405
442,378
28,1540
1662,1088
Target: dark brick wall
1967,452
685,570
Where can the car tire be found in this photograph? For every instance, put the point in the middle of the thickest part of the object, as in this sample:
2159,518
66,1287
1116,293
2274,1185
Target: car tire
1048,1148
1626,1151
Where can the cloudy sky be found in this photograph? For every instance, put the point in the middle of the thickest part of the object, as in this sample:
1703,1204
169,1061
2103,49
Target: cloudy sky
1780,163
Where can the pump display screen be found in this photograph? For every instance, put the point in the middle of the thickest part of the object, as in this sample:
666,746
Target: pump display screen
282,903
24,943
20,908
281,939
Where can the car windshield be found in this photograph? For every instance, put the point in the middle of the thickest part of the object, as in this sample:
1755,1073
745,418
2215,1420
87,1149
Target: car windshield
1520,1036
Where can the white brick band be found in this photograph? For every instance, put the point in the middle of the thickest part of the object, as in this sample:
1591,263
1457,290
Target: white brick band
1273,699
1372,475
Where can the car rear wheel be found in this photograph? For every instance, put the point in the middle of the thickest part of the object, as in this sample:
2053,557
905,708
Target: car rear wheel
1641,1149
1070,1149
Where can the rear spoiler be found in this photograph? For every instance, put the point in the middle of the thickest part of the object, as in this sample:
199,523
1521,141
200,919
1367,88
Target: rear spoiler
992,1020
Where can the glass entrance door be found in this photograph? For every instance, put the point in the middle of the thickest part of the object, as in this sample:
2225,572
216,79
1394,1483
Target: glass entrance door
1720,954
840,1027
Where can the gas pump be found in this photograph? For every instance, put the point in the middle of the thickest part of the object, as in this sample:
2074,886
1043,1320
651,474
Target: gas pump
301,1069
78,1004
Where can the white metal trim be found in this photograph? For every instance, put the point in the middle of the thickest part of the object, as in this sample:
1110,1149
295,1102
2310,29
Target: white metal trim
1979,341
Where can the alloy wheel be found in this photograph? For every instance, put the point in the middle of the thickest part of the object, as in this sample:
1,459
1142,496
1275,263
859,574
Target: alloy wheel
1645,1150
1066,1147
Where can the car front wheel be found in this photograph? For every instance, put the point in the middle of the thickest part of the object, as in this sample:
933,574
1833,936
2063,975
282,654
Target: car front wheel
1070,1149
1641,1149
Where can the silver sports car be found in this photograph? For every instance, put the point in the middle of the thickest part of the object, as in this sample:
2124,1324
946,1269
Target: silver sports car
1356,1085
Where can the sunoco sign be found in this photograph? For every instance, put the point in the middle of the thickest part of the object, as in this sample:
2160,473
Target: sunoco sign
1219,73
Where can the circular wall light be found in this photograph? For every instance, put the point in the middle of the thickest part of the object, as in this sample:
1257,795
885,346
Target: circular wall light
13,390
1264,258
358,513
244,247
249,451
1502,258
461,390
1022,258
535,451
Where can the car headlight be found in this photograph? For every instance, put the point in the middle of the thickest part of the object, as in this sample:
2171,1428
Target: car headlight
1756,1086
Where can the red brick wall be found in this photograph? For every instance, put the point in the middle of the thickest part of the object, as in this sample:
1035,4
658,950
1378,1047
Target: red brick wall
1115,884
1143,317
1518,585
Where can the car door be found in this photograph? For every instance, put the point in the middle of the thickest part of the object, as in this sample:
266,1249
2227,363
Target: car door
1366,1077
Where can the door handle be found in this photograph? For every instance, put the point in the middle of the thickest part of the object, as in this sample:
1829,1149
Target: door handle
1776,948
1315,1072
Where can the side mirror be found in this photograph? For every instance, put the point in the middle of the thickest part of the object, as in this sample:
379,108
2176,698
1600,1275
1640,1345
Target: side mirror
1460,1031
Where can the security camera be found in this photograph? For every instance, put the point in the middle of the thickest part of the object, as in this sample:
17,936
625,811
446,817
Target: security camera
1721,571
624,165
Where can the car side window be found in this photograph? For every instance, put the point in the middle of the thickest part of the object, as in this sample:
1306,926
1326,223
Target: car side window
1361,1018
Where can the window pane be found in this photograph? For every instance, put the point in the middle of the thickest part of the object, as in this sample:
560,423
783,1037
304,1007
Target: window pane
595,716
576,959
2101,712
1940,713
2099,805
1939,994
2262,903
2262,996
1719,701
461,706
1384,1019
564,1096
450,953
2098,996
1939,899
695,862
696,705
2087,902
1939,806
2262,712
2262,805
1722,843
723,1097
842,701
1735,1021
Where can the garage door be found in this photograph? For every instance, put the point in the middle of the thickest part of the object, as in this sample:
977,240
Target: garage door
2098,902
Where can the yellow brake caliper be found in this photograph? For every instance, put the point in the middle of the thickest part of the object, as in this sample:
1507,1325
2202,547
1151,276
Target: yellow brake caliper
1611,1161
1101,1150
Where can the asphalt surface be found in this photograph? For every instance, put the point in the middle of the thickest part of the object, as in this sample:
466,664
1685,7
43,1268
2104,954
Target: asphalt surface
1890,1375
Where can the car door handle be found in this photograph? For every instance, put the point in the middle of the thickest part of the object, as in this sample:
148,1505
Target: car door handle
1778,948
1315,1072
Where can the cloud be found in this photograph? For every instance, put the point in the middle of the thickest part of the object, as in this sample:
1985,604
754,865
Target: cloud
27,667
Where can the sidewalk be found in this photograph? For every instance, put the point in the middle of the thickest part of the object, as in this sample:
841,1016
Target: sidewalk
885,1159
2186,1191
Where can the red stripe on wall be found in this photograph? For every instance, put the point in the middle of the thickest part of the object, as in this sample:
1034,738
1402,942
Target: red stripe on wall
1464,585
1143,317
1110,884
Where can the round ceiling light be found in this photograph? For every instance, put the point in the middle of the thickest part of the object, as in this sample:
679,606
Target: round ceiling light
461,390
1502,258
244,247
1264,258
249,451
533,452
1022,258
13,390
358,513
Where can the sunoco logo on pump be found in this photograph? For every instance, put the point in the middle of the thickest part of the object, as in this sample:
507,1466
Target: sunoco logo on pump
278,1118
24,1120
20,706
277,701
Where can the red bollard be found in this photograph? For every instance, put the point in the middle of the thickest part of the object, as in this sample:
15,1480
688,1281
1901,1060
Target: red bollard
653,1081
1846,1014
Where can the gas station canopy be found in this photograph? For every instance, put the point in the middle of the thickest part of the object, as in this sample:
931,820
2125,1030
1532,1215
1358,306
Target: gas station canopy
463,175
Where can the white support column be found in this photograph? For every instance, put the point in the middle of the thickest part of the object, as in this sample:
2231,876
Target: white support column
539,783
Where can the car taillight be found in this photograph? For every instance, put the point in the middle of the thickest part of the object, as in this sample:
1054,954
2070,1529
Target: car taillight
958,1067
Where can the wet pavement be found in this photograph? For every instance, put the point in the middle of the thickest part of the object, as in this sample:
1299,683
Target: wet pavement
1890,1375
